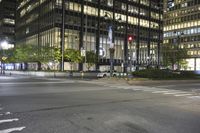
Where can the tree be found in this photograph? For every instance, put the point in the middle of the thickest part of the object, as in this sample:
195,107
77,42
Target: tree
172,55
91,59
73,56
33,53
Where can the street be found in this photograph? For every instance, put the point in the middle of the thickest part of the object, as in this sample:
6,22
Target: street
41,105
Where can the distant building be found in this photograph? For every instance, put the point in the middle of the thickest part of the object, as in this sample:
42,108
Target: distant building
7,21
182,27
86,23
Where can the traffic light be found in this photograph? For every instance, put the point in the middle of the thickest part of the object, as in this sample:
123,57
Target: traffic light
130,38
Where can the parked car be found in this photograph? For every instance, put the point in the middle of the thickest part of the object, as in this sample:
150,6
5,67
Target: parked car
107,74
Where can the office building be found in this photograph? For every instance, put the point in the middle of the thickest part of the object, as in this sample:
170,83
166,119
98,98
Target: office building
7,21
182,27
95,25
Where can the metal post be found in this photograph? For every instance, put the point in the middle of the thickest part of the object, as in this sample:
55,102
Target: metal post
130,55
86,21
63,35
138,40
159,34
178,67
111,39
126,42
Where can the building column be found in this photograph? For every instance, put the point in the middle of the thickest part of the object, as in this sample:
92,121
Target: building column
138,40
62,44
125,61
159,36
80,66
195,64
98,36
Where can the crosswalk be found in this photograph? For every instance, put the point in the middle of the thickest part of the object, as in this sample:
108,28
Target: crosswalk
155,90
5,118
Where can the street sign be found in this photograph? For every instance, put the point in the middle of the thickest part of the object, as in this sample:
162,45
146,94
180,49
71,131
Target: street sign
83,52
4,58
110,37
102,52
122,64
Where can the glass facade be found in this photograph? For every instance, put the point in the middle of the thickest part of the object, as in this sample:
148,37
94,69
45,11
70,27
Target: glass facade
86,23
182,20
7,21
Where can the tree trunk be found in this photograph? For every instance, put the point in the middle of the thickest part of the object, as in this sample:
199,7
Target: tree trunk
39,66
25,66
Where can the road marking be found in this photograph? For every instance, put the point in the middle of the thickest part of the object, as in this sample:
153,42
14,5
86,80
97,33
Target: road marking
136,89
178,92
160,91
23,83
12,129
8,120
193,97
153,89
182,95
7,113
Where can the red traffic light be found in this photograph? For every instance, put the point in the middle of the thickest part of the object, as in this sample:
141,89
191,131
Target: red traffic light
130,38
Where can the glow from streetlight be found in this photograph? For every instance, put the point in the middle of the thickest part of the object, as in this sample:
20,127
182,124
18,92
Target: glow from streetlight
4,45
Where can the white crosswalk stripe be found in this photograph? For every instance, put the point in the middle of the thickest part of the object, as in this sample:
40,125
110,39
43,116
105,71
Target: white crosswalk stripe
12,130
11,120
176,92
7,113
194,97
8,120
154,90
180,95
160,91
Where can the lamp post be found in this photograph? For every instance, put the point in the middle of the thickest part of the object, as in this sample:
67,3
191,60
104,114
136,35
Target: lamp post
111,39
3,45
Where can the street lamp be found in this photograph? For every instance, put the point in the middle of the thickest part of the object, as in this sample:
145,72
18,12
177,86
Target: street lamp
3,45
110,36
111,39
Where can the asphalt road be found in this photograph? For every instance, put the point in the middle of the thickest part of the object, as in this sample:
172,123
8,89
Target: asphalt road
35,105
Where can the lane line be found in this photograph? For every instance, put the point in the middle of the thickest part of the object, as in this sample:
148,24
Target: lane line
12,129
8,120
183,95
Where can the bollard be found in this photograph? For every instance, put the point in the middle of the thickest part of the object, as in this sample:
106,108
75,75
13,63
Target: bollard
82,74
